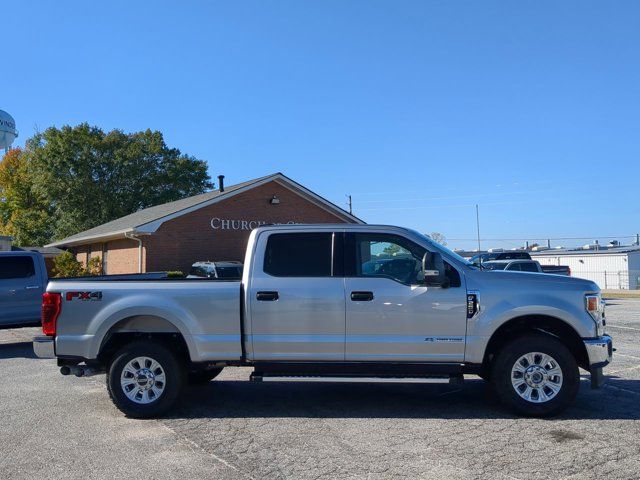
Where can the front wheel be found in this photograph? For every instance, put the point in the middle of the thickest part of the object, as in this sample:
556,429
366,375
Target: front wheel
145,379
535,375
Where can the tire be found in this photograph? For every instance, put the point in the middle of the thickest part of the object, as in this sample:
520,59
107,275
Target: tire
535,376
203,376
160,379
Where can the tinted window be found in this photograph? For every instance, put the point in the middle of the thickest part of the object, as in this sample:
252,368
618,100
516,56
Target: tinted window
528,267
298,255
495,266
229,272
16,267
199,271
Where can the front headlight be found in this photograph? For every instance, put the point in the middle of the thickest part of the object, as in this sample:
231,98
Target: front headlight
595,307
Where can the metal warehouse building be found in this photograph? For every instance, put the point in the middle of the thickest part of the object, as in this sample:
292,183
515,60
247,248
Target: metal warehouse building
616,268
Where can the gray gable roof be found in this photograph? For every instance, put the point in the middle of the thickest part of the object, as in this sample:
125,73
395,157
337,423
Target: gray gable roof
130,223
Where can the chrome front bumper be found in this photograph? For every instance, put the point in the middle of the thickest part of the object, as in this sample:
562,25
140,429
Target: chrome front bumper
599,351
43,347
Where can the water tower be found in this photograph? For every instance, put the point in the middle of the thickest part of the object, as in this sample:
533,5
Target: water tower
8,132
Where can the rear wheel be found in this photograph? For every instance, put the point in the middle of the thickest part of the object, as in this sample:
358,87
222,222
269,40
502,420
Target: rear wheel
535,375
145,379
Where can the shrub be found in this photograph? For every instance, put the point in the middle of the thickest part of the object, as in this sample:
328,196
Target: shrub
175,274
66,265
94,267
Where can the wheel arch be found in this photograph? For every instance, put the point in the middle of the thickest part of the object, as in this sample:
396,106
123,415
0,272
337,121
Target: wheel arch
545,324
139,327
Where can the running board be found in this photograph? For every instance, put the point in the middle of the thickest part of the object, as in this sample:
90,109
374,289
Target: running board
261,377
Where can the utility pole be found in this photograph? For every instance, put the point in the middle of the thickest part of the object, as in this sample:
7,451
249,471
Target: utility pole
478,226
350,205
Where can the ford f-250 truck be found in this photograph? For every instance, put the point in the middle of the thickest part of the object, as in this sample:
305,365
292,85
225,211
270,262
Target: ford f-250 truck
333,303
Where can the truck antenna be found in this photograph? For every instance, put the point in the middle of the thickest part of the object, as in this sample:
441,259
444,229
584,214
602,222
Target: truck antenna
478,225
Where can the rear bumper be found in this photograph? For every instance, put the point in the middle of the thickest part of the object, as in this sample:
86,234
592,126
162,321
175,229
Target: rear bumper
44,347
600,353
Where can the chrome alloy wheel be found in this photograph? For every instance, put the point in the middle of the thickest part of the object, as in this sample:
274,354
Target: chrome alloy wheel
142,380
536,377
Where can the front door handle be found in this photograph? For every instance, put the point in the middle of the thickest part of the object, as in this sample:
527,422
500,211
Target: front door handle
361,296
267,296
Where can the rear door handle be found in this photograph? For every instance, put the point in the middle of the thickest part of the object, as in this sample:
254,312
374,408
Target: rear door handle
361,296
267,296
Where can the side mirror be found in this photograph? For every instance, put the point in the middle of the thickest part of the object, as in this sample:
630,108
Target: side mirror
433,269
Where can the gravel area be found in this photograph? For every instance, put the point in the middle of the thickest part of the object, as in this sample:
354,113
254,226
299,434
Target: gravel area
63,427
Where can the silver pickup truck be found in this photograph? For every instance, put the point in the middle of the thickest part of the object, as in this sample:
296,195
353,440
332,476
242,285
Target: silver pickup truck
333,303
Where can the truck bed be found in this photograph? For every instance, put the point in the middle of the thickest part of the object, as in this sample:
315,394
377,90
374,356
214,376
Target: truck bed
206,312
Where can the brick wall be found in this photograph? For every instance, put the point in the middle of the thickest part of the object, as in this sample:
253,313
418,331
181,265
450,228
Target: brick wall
189,238
122,257
82,253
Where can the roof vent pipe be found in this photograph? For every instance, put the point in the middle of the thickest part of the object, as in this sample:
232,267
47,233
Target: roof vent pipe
221,183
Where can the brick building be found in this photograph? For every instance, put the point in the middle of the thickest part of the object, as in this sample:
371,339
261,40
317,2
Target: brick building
212,226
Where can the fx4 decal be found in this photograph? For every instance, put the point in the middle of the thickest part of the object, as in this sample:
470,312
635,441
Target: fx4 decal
85,296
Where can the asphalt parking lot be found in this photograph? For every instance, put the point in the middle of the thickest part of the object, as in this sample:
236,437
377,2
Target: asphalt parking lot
64,427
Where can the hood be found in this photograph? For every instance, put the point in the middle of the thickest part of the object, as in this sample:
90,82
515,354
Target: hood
537,280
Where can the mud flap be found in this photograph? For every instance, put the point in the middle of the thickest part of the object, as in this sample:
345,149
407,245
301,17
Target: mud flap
597,378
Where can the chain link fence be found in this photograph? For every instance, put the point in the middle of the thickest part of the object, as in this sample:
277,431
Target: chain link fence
611,279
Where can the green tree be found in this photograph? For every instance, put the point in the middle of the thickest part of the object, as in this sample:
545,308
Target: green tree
88,177
24,213
438,237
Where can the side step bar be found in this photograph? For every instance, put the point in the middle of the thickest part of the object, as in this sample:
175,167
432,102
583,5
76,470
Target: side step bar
272,377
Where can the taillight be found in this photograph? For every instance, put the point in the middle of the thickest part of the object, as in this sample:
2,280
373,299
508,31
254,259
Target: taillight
51,303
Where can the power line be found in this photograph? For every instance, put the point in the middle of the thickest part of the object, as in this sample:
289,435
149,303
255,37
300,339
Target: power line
540,237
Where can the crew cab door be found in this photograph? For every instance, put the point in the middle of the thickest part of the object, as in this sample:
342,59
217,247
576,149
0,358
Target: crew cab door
391,314
297,303
20,290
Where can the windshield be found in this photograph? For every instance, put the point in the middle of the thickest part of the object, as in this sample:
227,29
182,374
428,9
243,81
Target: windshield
495,265
484,257
204,271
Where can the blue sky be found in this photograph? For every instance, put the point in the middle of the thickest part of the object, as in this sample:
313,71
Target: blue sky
419,109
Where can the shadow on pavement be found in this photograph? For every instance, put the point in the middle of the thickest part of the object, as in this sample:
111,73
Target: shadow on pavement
16,350
474,400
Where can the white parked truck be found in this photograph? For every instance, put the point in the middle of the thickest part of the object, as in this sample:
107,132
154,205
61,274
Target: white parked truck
333,303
